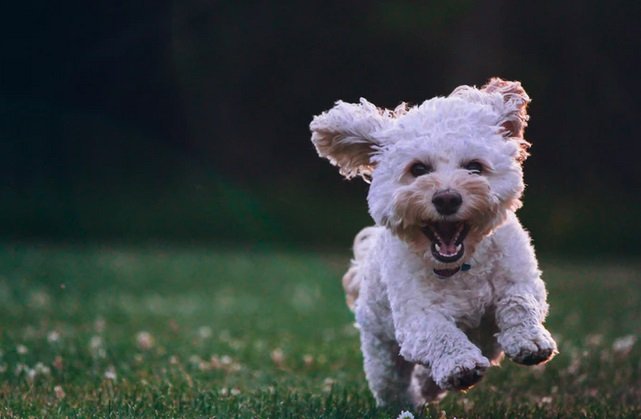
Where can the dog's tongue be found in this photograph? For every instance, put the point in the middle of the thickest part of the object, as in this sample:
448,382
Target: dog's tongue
447,248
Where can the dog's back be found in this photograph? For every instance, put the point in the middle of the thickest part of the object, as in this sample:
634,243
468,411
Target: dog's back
363,243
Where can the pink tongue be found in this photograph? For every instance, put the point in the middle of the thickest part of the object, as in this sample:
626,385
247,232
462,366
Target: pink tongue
447,248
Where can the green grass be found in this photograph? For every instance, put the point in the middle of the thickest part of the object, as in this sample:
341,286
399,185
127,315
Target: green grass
203,331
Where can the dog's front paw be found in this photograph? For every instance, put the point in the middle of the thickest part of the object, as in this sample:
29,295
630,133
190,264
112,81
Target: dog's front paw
460,373
528,345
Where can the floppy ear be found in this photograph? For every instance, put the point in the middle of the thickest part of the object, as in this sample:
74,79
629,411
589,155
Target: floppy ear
515,102
514,115
509,100
344,135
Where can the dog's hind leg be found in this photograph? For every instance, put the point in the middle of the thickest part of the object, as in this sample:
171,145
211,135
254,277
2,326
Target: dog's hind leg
423,389
388,374
363,243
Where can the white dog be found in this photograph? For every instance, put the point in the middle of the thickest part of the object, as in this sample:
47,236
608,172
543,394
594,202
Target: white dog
447,280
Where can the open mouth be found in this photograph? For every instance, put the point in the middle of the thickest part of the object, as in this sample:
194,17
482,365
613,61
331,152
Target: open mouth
447,239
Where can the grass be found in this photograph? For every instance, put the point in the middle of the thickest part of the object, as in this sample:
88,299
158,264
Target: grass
177,331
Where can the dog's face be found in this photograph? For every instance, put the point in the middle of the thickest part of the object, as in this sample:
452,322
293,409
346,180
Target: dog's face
443,190
443,174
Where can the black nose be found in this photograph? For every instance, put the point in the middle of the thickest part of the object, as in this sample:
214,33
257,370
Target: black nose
447,201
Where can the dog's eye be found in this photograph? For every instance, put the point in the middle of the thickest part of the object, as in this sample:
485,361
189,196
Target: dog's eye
474,167
420,169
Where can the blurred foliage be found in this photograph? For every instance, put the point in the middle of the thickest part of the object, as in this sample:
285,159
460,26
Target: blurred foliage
189,119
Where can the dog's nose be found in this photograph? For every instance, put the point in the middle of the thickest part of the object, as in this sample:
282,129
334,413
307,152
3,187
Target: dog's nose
447,201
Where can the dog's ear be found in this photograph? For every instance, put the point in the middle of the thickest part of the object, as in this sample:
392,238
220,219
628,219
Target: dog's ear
345,136
513,112
515,104
509,100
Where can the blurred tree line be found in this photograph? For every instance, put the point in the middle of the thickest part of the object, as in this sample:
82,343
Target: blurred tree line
189,119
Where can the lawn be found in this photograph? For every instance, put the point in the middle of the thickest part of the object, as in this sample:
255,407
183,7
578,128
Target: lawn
193,331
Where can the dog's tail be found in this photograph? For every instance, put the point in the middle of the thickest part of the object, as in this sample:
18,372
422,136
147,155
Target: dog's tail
363,243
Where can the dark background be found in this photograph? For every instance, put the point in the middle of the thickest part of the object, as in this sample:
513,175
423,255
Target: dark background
188,120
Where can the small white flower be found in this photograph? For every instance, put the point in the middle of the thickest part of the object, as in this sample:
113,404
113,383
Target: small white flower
328,383
59,392
21,349
278,357
95,343
623,345
145,340
405,415
204,332
42,369
96,347
53,336
110,374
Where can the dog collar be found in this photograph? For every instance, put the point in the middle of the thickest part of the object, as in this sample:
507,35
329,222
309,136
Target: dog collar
446,273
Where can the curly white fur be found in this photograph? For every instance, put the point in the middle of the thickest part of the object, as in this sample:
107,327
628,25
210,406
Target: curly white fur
427,322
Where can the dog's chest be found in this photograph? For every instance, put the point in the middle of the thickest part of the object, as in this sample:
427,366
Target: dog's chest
465,297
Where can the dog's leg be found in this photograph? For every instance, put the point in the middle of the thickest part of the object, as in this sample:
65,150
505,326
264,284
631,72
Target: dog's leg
522,335
426,331
388,374
431,339
521,305
423,388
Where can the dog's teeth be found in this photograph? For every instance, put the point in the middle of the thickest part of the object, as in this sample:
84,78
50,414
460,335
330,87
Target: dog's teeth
459,247
438,248
458,232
